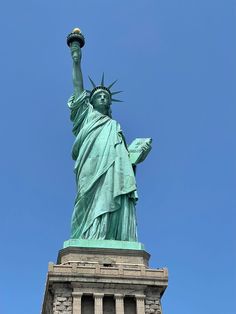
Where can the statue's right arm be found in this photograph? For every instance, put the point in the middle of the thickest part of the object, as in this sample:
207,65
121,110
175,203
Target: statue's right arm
77,73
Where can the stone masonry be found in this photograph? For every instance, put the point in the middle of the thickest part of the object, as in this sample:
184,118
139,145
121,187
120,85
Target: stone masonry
84,278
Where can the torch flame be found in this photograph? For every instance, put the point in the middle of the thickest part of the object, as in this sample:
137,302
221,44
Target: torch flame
76,30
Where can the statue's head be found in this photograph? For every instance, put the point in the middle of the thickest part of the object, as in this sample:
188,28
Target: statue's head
101,97
101,101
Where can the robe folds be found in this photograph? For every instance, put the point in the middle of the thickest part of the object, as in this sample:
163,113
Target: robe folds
106,187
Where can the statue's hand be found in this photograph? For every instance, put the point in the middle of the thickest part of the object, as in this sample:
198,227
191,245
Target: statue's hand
76,52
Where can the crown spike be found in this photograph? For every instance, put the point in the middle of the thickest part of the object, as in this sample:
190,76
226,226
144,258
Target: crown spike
116,100
110,86
92,82
114,93
102,81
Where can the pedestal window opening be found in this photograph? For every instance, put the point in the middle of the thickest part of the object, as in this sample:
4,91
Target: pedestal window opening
87,304
109,305
130,305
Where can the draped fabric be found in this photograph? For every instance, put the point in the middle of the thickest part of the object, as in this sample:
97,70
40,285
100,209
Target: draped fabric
106,188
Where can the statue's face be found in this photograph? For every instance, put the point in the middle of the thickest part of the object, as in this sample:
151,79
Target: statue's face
101,102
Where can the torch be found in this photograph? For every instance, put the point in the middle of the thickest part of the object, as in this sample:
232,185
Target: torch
75,36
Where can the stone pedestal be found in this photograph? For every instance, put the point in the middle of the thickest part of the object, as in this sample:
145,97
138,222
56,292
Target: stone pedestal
103,281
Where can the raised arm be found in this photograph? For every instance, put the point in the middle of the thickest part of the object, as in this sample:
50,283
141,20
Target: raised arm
76,54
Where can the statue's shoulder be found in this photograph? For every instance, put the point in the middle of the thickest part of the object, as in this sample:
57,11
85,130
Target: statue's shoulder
82,99
118,126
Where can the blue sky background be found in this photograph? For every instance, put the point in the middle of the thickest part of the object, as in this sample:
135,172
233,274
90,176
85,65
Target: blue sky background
175,60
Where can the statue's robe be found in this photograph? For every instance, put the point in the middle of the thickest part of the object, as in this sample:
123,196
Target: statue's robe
106,187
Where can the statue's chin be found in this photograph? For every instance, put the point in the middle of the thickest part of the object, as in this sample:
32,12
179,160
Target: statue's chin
102,111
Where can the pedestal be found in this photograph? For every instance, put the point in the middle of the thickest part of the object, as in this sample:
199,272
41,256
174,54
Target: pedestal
103,281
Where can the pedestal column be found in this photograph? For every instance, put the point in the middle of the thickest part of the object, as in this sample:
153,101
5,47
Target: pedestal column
140,306
119,298
76,302
98,303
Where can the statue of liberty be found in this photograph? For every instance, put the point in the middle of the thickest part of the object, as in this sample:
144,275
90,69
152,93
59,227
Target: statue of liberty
104,207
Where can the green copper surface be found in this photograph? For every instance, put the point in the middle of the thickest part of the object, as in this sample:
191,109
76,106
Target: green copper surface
107,244
104,207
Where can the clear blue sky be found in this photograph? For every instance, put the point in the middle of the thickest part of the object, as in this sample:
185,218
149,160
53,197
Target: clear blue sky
175,60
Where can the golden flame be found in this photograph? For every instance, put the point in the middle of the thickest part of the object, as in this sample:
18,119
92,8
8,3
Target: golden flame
76,30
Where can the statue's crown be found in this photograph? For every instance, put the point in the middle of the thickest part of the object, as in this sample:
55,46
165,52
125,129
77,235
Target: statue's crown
102,87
